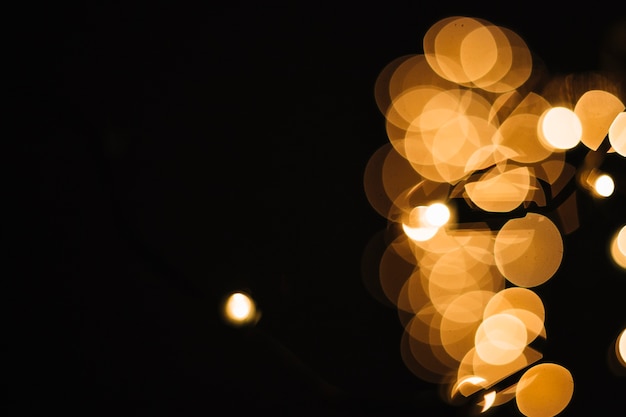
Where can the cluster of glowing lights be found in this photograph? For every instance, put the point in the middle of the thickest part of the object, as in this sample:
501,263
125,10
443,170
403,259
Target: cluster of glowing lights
464,126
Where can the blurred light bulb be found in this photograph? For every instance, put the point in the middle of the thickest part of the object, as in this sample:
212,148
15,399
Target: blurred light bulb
239,309
604,185
437,214
560,128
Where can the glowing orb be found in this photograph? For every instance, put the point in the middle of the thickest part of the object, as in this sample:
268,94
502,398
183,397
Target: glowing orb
604,185
239,309
437,214
544,390
560,128
528,250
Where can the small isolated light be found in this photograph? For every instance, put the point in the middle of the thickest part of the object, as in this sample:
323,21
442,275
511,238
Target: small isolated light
604,185
437,214
239,309
560,128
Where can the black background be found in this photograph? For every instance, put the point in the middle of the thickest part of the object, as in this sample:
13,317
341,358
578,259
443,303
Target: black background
176,153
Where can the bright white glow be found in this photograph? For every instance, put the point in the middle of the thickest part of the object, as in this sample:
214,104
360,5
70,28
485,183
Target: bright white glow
418,227
490,398
604,185
239,305
239,309
560,128
419,234
437,214
471,379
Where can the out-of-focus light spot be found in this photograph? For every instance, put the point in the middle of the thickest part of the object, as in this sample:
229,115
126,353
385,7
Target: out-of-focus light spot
437,214
501,189
417,227
239,309
528,250
560,128
620,348
489,399
500,339
617,134
522,303
470,379
596,110
544,390
618,248
621,240
604,185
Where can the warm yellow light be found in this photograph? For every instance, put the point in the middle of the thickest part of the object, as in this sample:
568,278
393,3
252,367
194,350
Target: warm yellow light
500,339
544,390
617,134
490,398
528,250
468,380
621,240
560,128
604,185
437,214
618,248
620,348
418,227
239,309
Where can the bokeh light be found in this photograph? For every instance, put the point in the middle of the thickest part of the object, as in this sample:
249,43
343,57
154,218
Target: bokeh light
437,214
467,130
618,248
544,390
604,185
239,309
560,128
620,347
617,134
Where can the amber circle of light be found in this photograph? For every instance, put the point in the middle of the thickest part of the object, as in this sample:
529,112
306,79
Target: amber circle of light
467,131
239,309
